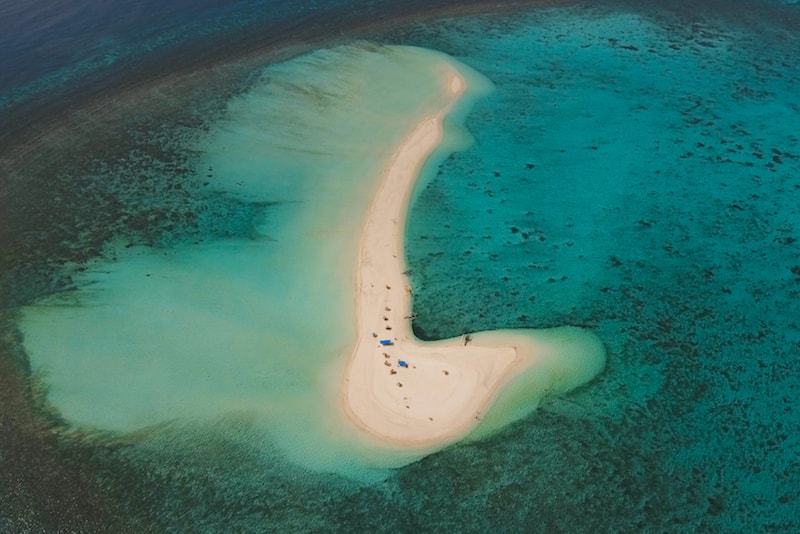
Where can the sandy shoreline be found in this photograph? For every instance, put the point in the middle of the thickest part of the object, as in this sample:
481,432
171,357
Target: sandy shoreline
442,390
419,395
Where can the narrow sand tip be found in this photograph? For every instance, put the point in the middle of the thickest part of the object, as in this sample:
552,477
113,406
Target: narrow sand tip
413,394
456,85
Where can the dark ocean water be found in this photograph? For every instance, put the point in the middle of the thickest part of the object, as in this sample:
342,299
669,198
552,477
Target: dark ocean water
635,172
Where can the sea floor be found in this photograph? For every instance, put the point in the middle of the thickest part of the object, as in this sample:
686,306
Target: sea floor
636,173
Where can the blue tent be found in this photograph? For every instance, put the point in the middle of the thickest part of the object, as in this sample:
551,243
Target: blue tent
402,363
386,342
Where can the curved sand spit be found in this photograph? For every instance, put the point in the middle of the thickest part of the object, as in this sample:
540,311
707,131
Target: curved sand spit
446,386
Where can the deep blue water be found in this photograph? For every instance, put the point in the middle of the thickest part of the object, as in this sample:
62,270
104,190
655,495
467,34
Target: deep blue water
635,172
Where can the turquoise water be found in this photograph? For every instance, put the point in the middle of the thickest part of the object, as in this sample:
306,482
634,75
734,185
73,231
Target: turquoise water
633,172
638,175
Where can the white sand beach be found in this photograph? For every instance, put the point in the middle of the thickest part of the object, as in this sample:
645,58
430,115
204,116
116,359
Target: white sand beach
397,388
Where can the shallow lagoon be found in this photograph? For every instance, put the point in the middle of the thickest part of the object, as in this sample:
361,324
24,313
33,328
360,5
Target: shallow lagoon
254,329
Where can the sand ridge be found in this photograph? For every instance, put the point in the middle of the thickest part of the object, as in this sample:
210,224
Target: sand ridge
411,392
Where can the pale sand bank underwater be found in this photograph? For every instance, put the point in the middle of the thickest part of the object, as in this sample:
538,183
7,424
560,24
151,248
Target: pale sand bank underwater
261,329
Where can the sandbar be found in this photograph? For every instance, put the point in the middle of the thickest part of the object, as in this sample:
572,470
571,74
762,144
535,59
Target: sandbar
397,388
